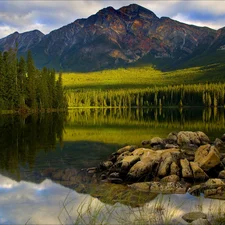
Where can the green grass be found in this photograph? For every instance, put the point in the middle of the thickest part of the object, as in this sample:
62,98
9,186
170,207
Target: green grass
142,77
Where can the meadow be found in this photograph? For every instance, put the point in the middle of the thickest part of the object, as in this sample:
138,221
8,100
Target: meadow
146,87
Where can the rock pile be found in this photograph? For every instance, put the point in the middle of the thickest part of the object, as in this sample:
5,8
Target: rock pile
168,165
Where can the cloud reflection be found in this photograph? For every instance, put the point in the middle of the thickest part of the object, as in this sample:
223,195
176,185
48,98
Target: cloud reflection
25,202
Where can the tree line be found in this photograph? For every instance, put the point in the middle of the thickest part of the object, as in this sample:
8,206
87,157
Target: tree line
207,95
24,87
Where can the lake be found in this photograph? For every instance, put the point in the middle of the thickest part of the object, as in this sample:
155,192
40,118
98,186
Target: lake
82,138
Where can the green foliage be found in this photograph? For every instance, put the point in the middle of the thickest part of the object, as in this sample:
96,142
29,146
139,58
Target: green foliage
23,86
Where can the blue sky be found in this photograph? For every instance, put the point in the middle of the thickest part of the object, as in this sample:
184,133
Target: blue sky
25,15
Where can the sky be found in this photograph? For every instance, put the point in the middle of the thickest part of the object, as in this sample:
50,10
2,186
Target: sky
47,15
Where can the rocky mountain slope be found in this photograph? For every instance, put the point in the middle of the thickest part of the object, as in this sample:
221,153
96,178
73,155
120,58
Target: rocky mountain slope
112,38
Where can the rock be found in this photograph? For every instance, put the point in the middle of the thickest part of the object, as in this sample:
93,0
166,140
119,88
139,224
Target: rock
209,192
223,137
166,161
223,161
185,169
204,139
201,221
128,148
145,142
160,187
188,154
141,168
115,180
172,138
123,155
171,178
114,175
214,182
167,146
222,174
220,145
189,137
106,165
192,216
198,173
156,141
129,161
141,186
143,152
207,157
174,169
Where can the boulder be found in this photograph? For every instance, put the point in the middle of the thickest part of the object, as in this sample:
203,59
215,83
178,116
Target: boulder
157,141
129,161
222,174
168,146
128,148
142,168
185,169
207,157
198,173
223,137
214,182
171,178
145,142
106,165
192,216
174,169
189,137
166,161
123,155
172,138
204,139
219,144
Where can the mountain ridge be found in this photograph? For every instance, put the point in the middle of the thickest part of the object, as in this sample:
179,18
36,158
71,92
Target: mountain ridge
112,38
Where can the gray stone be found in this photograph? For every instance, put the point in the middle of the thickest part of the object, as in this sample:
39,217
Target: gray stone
192,216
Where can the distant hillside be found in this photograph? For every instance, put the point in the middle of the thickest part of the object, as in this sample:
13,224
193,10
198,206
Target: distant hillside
116,38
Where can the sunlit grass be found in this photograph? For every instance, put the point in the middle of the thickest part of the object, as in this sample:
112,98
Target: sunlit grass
136,77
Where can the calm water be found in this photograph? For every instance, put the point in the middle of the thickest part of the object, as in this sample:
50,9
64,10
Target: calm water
81,139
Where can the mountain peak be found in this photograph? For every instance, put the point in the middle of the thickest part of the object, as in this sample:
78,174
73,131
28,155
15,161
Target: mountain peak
135,9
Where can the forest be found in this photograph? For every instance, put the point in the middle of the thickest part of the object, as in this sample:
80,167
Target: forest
207,95
25,88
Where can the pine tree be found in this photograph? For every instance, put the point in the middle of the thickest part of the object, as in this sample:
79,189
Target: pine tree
31,81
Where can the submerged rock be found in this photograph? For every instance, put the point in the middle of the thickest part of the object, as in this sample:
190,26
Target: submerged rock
160,187
192,216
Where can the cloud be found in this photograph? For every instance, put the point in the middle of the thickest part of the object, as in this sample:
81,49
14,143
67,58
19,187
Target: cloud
25,15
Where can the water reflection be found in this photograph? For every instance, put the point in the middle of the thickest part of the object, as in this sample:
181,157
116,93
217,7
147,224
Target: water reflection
50,203
85,137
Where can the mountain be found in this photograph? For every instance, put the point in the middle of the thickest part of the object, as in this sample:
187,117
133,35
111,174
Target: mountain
127,36
25,40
